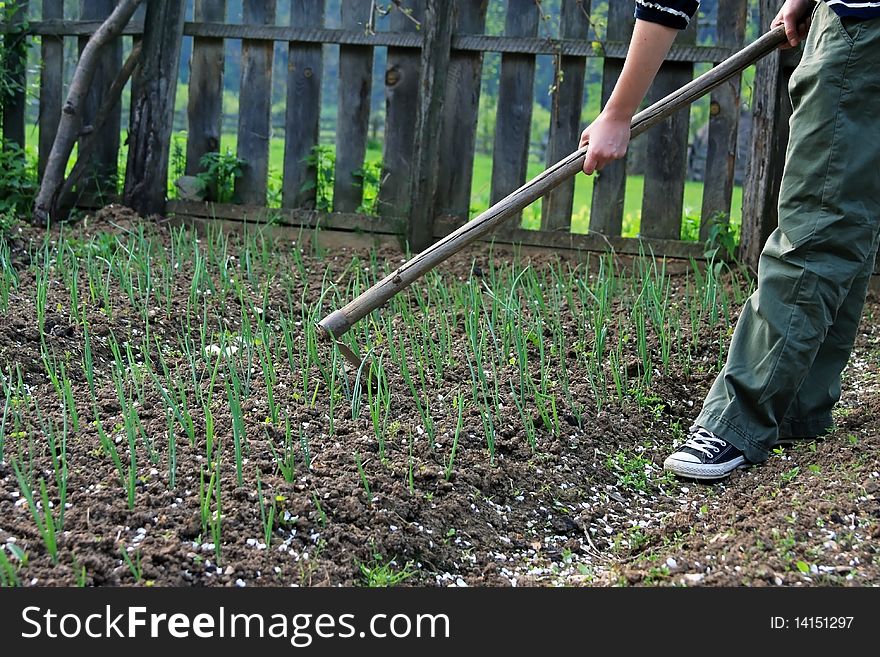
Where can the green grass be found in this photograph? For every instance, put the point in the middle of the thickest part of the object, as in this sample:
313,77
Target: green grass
481,186
583,195
482,182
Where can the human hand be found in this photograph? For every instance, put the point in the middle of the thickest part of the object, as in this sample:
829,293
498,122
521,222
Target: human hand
607,139
795,16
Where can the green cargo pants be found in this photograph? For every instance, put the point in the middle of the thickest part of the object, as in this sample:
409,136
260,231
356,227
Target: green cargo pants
796,332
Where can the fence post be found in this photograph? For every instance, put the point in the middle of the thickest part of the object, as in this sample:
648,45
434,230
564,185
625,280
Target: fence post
51,76
460,115
205,104
565,122
667,151
305,69
609,186
439,20
401,101
353,113
516,94
724,113
16,63
771,109
152,109
254,115
100,178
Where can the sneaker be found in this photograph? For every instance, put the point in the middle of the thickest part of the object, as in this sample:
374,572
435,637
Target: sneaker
704,456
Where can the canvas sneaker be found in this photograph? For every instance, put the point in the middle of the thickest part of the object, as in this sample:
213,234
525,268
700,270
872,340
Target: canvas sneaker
704,456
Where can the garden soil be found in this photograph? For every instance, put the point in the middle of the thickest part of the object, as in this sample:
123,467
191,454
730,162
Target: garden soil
558,515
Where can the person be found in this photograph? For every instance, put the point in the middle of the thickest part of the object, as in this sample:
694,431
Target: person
795,334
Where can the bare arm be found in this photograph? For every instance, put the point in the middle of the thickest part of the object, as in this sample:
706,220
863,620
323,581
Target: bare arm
608,135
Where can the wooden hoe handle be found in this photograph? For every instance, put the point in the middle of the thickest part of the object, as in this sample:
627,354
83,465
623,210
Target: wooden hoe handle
337,323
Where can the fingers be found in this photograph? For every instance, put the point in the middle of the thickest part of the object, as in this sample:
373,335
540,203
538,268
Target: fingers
795,30
591,163
596,159
795,17
585,138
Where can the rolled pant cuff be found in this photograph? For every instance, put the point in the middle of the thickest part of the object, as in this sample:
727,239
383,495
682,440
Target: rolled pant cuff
753,451
809,427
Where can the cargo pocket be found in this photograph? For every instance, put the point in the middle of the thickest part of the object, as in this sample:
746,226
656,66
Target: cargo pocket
850,27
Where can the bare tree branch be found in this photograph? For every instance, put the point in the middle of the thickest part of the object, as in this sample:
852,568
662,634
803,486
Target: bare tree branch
71,119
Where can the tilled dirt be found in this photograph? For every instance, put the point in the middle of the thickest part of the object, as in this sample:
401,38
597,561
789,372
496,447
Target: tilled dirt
561,514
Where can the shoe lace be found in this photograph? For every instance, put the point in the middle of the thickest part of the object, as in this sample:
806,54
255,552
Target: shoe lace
703,440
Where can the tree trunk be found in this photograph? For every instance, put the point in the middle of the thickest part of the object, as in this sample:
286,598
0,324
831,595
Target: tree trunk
65,199
152,112
71,115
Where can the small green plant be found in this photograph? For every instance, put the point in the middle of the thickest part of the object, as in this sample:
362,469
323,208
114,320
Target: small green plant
631,469
41,512
363,475
177,162
458,402
268,513
790,475
636,539
721,237
219,175
9,571
370,176
323,160
322,517
18,182
134,565
380,573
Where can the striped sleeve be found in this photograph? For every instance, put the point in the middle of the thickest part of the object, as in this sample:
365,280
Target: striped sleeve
672,13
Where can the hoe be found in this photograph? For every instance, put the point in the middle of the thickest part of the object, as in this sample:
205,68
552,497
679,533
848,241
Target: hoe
337,323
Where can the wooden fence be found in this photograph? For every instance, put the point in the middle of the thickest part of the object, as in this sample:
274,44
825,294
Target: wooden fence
432,90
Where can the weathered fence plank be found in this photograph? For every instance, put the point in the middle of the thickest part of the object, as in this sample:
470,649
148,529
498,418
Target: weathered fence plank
297,217
565,120
667,150
432,86
305,68
460,114
100,179
724,113
355,84
51,84
401,106
205,104
254,113
15,45
771,110
516,88
609,188
146,176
